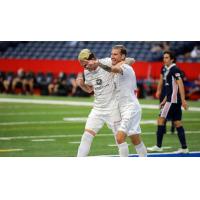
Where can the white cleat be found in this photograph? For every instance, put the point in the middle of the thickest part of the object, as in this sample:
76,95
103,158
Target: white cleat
155,148
182,151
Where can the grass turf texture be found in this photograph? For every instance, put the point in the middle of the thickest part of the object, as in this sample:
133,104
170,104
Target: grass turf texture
46,122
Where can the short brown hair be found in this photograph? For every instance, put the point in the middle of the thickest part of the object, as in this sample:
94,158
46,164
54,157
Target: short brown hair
171,55
122,49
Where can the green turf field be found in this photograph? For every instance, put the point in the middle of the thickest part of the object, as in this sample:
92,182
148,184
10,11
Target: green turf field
39,129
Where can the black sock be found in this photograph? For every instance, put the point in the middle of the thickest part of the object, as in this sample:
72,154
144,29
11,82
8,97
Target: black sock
160,133
172,127
181,136
165,129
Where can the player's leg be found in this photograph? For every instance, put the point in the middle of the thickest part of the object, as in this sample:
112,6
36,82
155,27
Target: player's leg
172,129
122,144
93,125
86,141
161,128
177,117
115,122
165,113
139,145
134,134
165,125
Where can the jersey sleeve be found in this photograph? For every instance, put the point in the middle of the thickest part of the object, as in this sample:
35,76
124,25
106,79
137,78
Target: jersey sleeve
125,68
176,74
106,61
88,80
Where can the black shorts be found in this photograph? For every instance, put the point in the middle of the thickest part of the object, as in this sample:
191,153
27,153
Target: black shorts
171,111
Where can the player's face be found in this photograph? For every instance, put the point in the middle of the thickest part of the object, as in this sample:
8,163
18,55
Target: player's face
84,63
167,60
116,56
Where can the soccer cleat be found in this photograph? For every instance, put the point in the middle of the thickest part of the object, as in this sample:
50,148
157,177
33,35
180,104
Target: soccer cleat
155,148
182,151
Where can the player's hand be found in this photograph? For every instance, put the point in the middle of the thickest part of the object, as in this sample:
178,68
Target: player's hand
158,94
162,103
184,104
79,80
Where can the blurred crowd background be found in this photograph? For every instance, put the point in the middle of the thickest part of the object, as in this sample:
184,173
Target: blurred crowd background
34,77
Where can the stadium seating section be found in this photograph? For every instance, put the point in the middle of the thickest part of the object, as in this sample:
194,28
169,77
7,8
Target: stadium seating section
58,56
68,50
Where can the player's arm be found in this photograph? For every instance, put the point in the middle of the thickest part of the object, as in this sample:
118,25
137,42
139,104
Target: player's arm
129,61
80,82
182,93
107,65
159,87
118,67
115,68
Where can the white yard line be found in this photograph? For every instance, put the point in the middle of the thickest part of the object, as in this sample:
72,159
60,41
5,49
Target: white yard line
74,135
10,150
51,102
41,113
74,103
43,140
78,142
27,123
77,119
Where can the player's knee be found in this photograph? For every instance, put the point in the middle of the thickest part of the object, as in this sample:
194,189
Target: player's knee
135,139
161,121
177,124
120,137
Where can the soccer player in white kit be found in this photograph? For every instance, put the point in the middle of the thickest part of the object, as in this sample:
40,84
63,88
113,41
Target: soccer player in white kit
129,109
102,83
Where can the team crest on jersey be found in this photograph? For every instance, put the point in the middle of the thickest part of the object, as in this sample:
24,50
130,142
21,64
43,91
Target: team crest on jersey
177,74
98,81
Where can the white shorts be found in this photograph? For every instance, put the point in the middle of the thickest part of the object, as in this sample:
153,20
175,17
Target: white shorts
97,119
130,120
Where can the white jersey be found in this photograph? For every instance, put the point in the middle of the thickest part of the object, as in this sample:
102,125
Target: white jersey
104,88
126,86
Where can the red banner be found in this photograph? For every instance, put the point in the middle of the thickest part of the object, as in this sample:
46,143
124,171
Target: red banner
143,70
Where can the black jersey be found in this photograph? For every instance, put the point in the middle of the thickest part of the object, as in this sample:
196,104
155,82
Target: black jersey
172,91
163,89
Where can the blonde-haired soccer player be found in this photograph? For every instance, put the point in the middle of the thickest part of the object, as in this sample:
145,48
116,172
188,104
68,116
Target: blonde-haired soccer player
102,84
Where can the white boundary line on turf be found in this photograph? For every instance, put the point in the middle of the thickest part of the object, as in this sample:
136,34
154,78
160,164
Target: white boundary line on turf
51,102
41,113
74,135
76,119
10,150
27,123
76,142
74,103
43,140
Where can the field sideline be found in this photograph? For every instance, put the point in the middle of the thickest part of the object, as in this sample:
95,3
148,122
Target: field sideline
37,128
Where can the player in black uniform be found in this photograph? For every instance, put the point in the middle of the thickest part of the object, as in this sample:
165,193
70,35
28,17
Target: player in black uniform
161,92
171,105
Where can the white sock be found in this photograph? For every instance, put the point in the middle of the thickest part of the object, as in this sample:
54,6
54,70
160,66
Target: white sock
123,149
141,150
84,147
